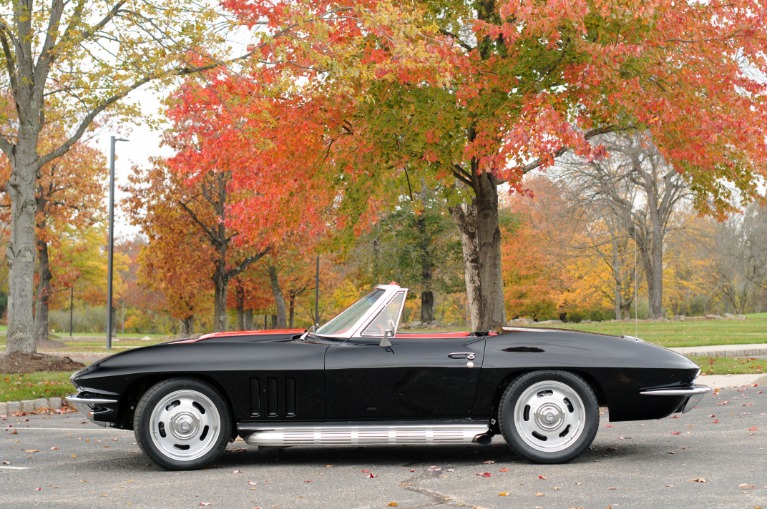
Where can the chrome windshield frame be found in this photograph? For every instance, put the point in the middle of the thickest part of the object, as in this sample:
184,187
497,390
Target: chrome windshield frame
356,329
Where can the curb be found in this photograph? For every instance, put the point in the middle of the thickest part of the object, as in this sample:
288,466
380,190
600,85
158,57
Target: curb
31,405
723,351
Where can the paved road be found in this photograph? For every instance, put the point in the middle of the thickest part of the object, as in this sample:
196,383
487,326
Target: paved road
715,456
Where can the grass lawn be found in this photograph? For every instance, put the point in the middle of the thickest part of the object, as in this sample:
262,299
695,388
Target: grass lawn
730,365
18,387
96,342
679,333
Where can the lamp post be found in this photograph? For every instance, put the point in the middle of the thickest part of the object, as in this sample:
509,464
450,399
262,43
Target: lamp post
110,247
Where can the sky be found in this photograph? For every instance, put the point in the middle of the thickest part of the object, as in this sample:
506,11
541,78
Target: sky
143,143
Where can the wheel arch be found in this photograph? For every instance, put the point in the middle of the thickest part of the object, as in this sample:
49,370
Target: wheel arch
138,387
592,382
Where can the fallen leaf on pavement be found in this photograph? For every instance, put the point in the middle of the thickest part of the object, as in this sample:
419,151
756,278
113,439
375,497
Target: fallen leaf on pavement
698,479
746,486
503,494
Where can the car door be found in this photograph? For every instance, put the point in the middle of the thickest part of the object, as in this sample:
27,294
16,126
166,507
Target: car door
419,376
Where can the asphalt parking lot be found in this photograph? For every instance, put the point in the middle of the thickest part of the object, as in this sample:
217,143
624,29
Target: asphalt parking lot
714,456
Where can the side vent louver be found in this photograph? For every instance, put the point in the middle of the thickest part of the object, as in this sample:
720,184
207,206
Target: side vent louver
273,397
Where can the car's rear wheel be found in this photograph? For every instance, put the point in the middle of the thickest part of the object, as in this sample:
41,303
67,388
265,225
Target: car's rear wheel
548,416
182,424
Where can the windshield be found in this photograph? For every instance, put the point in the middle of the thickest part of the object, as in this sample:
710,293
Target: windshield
343,322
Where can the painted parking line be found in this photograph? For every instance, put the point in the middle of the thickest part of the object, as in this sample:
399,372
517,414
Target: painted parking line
6,467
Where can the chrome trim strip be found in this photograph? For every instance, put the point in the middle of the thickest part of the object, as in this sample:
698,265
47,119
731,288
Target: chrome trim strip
91,401
692,391
372,434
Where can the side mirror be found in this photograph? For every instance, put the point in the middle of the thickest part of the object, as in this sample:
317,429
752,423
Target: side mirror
385,343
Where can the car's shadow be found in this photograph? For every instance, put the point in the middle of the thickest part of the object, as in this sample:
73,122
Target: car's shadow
238,455
413,456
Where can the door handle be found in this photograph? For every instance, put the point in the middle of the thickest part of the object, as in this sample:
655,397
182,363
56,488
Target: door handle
462,355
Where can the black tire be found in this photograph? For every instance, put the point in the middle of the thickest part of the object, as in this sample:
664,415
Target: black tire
182,424
548,416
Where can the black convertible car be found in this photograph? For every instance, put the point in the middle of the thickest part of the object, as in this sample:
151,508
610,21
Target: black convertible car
357,380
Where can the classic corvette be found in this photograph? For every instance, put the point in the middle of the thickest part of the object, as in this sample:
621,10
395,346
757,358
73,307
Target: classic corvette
358,380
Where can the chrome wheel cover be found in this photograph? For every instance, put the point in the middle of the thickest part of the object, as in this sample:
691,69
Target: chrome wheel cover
185,425
549,416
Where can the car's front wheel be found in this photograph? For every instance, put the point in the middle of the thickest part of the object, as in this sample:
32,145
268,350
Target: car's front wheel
182,424
548,416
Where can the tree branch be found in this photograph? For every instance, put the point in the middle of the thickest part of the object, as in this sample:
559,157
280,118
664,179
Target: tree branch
457,39
247,262
208,232
47,55
589,134
461,174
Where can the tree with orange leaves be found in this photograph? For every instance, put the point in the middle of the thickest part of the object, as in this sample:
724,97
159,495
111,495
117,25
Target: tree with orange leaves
475,94
189,237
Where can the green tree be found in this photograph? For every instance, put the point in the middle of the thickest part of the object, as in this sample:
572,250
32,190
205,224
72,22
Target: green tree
81,58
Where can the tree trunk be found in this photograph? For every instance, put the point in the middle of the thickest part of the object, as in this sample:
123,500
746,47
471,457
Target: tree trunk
279,299
220,283
240,297
481,243
20,252
466,218
292,311
655,276
427,271
427,307
187,326
248,322
618,278
43,292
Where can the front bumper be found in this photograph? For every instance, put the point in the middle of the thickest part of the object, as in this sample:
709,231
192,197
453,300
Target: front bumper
99,410
692,395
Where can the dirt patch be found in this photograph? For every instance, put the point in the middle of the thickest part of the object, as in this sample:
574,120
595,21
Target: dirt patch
20,363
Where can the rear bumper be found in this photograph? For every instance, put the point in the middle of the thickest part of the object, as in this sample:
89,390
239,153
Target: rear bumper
692,395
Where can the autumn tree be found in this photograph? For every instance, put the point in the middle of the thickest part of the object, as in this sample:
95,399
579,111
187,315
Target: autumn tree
78,262
69,192
170,209
472,95
67,63
739,256
640,191
551,267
